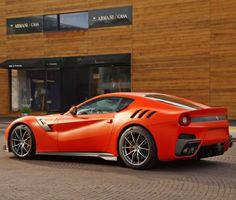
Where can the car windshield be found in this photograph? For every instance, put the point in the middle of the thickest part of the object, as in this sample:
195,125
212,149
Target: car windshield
174,101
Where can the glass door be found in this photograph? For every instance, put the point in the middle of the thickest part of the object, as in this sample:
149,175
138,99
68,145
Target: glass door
53,86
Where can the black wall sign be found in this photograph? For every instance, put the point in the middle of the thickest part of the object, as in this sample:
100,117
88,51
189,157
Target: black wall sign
23,63
25,25
110,17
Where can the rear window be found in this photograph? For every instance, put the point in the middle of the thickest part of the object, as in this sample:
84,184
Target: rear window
174,101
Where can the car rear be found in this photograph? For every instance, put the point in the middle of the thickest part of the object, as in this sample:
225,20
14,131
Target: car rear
204,133
200,130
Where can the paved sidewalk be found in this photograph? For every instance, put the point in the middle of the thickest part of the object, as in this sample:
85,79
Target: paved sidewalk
73,178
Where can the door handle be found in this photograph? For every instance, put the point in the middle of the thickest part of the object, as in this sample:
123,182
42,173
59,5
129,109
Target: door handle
109,121
84,118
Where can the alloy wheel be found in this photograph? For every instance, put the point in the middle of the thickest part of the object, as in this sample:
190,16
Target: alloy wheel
135,147
21,141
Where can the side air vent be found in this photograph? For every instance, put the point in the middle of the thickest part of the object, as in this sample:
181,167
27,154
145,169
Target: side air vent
135,113
151,114
142,113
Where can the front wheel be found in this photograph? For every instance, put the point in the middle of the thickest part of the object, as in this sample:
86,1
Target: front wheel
137,148
22,142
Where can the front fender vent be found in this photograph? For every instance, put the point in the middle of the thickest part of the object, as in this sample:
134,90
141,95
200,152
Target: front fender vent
44,125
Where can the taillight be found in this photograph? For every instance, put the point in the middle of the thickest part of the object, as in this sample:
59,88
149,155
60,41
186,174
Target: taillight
184,120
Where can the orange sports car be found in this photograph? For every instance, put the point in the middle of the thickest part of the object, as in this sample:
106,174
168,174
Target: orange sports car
138,128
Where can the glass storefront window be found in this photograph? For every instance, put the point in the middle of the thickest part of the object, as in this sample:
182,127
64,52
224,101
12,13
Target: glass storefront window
53,87
74,21
38,89
19,96
110,79
28,89
50,23
89,81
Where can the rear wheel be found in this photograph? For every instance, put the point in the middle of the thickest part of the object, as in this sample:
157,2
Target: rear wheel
22,142
137,148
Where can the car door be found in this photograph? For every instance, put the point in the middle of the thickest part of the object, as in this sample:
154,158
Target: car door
89,130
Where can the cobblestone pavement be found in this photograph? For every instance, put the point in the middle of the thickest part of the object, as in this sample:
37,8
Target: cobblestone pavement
67,178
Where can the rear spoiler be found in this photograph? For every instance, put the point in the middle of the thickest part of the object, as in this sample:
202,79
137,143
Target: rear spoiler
208,112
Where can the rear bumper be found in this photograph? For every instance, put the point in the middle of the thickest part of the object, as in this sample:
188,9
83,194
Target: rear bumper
209,133
192,147
212,150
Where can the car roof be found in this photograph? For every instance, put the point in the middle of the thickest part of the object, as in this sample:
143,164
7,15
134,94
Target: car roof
145,95
134,95
131,94
148,98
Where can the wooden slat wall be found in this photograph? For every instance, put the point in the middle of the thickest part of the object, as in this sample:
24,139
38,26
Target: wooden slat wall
25,46
23,8
57,6
186,48
4,88
171,43
110,40
181,47
2,32
4,92
223,55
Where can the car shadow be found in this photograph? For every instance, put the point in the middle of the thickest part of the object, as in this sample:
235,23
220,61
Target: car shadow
49,160
98,164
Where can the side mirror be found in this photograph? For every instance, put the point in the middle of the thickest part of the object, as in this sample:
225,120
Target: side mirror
73,110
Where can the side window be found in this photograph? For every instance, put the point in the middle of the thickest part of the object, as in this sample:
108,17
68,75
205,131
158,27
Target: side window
99,106
124,103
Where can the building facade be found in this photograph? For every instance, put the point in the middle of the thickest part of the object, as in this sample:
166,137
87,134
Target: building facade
54,54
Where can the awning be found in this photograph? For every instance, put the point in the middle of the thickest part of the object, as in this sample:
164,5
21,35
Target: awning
23,63
113,59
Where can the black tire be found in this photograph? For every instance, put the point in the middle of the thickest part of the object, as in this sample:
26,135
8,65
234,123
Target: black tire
22,142
137,149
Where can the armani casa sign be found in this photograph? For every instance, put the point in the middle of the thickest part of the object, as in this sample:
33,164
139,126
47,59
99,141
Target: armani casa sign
110,17
25,25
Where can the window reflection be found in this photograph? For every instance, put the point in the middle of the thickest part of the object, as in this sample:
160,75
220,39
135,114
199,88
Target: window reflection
110,79
56,88
31,89
28,89
74,21
50,23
